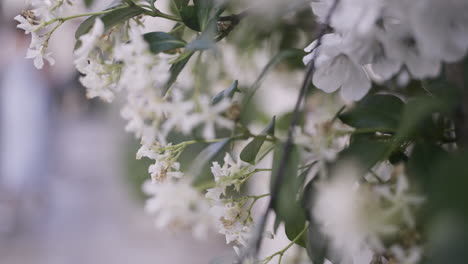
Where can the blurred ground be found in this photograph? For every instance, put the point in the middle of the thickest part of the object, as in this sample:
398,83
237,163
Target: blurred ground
89,215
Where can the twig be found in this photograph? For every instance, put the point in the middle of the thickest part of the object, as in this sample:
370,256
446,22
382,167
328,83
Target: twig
288,146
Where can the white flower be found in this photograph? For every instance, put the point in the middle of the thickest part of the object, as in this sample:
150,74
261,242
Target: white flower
400,44
349,214
178,114
335,69
99,80
163,169
25,24
441,28
87,43
400,199
383,171
211,116
39,54
406,256
356,15
178,206
229,174
231,221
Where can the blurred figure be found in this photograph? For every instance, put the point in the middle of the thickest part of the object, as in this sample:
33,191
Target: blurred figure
24,123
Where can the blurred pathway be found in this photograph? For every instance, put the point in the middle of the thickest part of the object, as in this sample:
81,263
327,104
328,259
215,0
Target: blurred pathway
91,217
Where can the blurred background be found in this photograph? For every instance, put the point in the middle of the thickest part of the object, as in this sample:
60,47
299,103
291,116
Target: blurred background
69,181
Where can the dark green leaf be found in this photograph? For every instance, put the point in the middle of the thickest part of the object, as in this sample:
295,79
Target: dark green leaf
379,111
366,151
250,152
88,3
175,70
161,41
117,16
190,18
180,3
287,206
228,93
316,244
417,118
200,166
285,120
208,10
206,40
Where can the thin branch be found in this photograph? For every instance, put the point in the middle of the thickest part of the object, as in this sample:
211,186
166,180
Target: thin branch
288,146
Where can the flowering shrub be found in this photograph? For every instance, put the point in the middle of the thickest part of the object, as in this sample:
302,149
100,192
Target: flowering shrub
373,173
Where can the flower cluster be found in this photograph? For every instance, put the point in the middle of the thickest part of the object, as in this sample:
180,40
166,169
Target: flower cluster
358,217
350,177
377,40
231,218
38,22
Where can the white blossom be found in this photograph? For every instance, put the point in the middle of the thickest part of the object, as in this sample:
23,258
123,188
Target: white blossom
441,28
335,69
231,221
39,53
349,214
87,44
178,206
229,174
211,116
99,80
164,169
411,255
400,199
25,24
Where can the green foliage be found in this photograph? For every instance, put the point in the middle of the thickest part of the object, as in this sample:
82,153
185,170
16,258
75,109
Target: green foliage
380,112
417,120
208,10
316,245
88,3
163,42
287,205
190,17
179,4
250,152
120,14
228,93
206,40
175,70
366,150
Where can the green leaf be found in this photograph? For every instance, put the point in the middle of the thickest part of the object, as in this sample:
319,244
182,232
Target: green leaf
208,10
316,245
200,166
190,18
88,3
179,4
206,40
228,93
417,118
379,111
366,151
250,152
287,205
175,70
120,14
285,120
161,41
